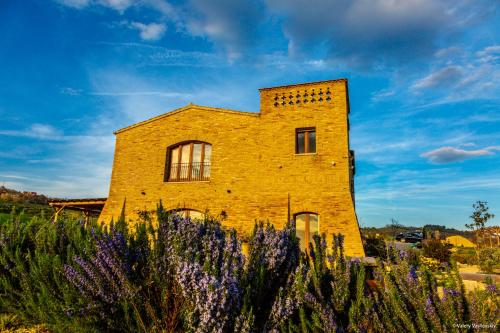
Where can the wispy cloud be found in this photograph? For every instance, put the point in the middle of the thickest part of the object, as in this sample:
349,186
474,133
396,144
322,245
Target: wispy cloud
441,78
373,34
419,189
78,4
382,95
70,91
61,165
36,131
489,54
142,93
471,75
155,55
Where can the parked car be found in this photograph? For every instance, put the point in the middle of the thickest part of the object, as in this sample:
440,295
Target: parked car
410,237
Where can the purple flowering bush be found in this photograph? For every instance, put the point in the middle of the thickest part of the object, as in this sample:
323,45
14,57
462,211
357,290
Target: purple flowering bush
179,275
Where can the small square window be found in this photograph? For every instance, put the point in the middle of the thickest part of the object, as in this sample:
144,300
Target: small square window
305,140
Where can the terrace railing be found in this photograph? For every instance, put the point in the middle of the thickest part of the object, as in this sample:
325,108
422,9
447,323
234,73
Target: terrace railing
185,172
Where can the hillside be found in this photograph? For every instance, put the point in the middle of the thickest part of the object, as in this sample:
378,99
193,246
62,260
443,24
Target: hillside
389,231
30,203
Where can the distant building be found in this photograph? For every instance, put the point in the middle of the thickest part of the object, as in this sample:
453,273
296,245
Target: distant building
292,159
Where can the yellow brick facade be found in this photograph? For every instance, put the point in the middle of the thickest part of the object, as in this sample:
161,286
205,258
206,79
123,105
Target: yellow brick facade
254,167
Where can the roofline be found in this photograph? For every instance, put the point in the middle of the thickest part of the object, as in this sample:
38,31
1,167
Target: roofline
305,84
187,107
60,201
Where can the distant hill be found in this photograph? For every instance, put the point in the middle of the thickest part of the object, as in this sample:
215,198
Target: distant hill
31,203
389,231
10,195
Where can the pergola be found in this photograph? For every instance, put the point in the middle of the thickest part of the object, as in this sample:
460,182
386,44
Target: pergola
89,207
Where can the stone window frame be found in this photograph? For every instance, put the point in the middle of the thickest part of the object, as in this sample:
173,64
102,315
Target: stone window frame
205,165
307,131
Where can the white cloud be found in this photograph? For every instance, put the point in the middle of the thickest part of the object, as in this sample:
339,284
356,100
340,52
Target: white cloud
448,52
119,5
450,154
163,7
151,31
231,23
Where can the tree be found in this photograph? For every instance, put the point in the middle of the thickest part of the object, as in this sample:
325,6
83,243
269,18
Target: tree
493,232
480,216
395,226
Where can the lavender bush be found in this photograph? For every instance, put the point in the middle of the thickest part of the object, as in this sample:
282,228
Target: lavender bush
177,275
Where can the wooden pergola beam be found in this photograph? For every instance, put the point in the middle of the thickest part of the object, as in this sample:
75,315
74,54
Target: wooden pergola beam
89,207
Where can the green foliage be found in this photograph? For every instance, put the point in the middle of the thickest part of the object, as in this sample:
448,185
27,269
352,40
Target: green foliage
489,259
434,248
176,275
32,285
480,215
375,247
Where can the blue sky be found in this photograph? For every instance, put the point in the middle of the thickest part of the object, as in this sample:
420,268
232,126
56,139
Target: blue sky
424,81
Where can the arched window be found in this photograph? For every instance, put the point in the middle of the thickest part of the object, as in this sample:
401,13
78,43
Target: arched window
189,161
193,214
307,225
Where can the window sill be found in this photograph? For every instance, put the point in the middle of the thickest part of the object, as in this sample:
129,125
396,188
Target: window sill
306,154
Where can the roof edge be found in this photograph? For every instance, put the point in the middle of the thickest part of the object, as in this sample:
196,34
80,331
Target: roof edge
184,108
76,200
304,84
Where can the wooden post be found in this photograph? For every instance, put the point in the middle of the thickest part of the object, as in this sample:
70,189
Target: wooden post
87,216
58,210
288,216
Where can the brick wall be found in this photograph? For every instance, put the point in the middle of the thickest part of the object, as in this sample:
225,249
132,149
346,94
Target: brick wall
253,166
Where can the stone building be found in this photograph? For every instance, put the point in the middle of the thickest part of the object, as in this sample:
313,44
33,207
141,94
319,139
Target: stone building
292,159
